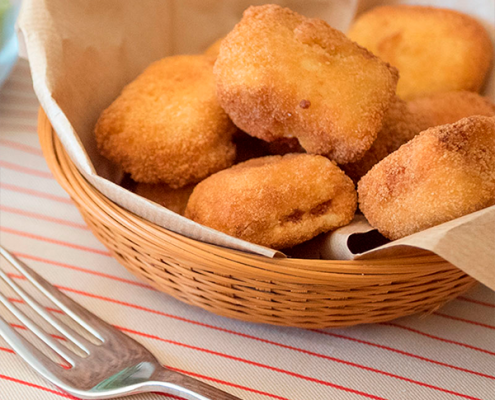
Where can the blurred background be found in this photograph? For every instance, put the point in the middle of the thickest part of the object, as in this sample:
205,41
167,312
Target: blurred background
9,10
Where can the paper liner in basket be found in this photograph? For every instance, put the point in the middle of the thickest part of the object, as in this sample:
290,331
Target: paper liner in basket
467,242
83,53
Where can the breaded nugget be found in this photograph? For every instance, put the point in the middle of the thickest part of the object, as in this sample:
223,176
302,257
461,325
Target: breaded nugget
400,126
167,126
275,201
449,107
281,75
173,199
405,120
443,173
434,49
214,48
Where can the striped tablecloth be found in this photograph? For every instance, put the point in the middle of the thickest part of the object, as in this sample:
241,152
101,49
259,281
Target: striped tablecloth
447,355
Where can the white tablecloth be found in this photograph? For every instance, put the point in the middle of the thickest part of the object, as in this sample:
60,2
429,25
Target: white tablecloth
449,354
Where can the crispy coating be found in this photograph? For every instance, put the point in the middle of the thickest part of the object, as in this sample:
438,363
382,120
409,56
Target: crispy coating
281,75
443,173
167,126
400,126
434,49
214,48
275,201
173,199
449,107
405,120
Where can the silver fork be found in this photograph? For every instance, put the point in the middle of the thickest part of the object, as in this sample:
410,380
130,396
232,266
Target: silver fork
118,366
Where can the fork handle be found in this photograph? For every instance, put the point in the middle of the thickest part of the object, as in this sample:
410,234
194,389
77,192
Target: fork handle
165,380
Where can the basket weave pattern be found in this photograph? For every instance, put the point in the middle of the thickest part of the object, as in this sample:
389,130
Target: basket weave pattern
291,292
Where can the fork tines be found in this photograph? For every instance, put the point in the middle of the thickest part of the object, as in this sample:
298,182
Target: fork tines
75,311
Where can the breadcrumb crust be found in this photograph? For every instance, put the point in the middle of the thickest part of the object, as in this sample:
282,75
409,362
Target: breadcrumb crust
281,75
442,174
275,201
167,126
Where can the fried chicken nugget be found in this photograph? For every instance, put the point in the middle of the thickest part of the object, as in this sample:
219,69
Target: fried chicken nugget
405,120
173,199
443,173
449,107
281,75
434,49
167,126
275,201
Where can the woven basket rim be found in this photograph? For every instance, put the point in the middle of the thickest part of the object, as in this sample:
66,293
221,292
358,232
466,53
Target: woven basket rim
295,292
66,173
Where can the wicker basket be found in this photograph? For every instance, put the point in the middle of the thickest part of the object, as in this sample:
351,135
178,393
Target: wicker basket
290,292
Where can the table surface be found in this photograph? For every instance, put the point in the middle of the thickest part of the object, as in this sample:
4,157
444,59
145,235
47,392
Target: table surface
449,354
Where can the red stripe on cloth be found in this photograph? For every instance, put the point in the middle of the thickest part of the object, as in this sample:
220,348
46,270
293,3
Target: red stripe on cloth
300,376
26,256
88,271
36,193
29,171
481,303
256,364
66,395
33,385
266,341
468,321
405,353
206,350
222,382
7,350
43,217
22,147
22,327
13,300
54,241
171,395
438,338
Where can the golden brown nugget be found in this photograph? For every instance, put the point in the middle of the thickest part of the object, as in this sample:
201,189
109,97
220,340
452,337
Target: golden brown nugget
434,49
173,199
167,126
275,201
405,120
400,125
449,107
442,174
281,75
